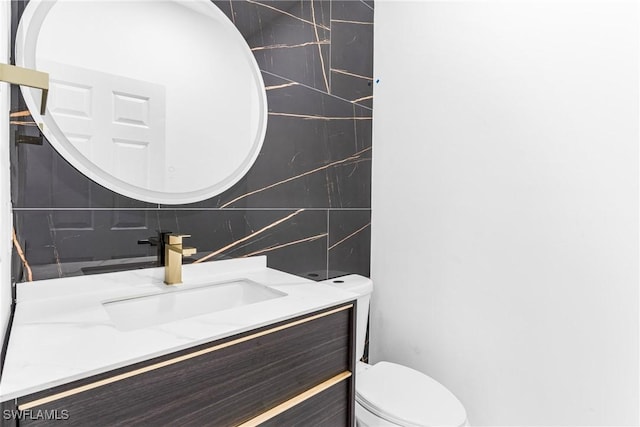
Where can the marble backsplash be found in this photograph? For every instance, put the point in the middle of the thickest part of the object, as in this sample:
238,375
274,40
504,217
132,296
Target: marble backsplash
306,201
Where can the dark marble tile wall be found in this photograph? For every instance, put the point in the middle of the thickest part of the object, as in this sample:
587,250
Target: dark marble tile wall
306,201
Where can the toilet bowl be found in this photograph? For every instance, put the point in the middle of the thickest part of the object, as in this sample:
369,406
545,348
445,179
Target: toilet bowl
392,395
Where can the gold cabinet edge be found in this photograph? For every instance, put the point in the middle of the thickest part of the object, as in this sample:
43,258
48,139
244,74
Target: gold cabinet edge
87,387
296,400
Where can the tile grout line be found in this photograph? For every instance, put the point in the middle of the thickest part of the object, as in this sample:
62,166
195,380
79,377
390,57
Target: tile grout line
169,209
330,44
326,275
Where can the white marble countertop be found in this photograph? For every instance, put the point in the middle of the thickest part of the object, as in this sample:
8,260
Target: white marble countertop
61,331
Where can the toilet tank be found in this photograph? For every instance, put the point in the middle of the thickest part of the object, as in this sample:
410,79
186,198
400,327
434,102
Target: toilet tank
362,286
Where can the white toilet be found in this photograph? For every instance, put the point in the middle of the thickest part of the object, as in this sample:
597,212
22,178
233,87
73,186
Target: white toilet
392,395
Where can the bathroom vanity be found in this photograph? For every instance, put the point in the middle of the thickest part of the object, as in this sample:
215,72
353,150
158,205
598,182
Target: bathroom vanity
274,349
236,343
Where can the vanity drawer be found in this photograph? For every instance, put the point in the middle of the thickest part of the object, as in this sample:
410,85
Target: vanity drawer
329,408
226,382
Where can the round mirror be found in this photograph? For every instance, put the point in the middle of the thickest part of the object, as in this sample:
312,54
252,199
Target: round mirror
161,101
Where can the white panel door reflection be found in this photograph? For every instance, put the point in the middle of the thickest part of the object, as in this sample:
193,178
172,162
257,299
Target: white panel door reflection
116,122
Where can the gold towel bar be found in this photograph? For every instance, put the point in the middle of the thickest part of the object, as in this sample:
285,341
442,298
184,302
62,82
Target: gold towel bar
27,77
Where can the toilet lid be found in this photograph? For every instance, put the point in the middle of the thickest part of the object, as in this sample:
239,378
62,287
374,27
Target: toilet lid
407,397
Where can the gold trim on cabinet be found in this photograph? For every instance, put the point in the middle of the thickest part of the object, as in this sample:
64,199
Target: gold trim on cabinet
135,372
296,400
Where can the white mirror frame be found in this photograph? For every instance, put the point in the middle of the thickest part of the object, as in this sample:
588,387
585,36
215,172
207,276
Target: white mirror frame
26,41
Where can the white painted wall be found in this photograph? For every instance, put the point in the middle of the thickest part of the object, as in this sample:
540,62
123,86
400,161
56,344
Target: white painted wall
5,189
505,205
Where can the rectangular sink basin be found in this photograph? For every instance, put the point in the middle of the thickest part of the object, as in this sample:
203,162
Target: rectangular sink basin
176,304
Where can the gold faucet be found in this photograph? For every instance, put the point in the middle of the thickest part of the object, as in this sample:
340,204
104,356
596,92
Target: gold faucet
173,252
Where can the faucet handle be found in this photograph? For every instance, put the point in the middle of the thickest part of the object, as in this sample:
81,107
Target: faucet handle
175,239
158,239
188,251
150,241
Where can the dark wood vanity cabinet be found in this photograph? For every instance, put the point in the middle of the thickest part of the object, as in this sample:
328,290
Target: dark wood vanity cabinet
297,372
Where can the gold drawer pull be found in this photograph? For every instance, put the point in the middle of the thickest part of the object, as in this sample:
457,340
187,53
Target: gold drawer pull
277,410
